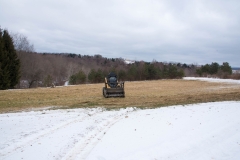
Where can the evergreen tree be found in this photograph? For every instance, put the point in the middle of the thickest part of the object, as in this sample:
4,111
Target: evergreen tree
165,71
4,73
132,72
172,71
81,77
213,69
78,78
199,72
151,71
4,76
99,76
180,74
225,67
73,79
122,75
10,64
91,75
205,68
96,76
14,62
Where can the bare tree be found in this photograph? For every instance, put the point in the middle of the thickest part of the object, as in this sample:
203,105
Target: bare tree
31,68
21,43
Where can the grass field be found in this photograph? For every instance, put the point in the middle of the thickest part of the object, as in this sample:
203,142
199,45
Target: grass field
138,94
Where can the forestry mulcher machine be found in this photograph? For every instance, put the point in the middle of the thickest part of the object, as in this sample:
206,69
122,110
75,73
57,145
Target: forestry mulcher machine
113,88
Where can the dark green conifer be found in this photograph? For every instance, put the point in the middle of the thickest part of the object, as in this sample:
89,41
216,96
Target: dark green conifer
4,73
10,64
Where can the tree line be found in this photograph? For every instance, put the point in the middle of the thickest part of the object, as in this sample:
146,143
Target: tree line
222,71
22,67
43,69
137,71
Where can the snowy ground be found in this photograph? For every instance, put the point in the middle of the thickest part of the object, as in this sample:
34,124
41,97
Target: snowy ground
197,131
232,81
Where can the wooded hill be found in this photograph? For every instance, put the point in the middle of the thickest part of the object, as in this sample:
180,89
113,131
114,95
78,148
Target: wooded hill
43,69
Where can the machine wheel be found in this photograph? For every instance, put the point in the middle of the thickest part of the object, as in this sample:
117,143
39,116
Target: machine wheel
105,92
123,95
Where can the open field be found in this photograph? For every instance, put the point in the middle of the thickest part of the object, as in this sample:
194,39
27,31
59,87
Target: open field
138,94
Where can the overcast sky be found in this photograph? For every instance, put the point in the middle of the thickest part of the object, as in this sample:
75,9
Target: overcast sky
186,31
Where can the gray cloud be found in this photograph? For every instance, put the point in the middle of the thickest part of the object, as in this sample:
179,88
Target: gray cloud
182,31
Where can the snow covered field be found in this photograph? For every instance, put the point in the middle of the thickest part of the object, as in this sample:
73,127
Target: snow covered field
197,131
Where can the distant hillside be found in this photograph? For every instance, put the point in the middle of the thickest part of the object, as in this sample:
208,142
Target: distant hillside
43,69
46,69
235,68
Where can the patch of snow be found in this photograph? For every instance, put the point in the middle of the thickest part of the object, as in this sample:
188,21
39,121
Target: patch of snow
66,83
197,131
213,80
129,61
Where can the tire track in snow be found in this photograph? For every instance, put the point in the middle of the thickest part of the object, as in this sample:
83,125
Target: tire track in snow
84,147
30,139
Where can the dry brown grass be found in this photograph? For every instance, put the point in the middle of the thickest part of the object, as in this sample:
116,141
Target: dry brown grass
138,94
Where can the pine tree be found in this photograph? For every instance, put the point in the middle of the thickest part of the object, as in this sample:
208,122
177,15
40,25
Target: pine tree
91,76
4,74
78,78
10,64
225,67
